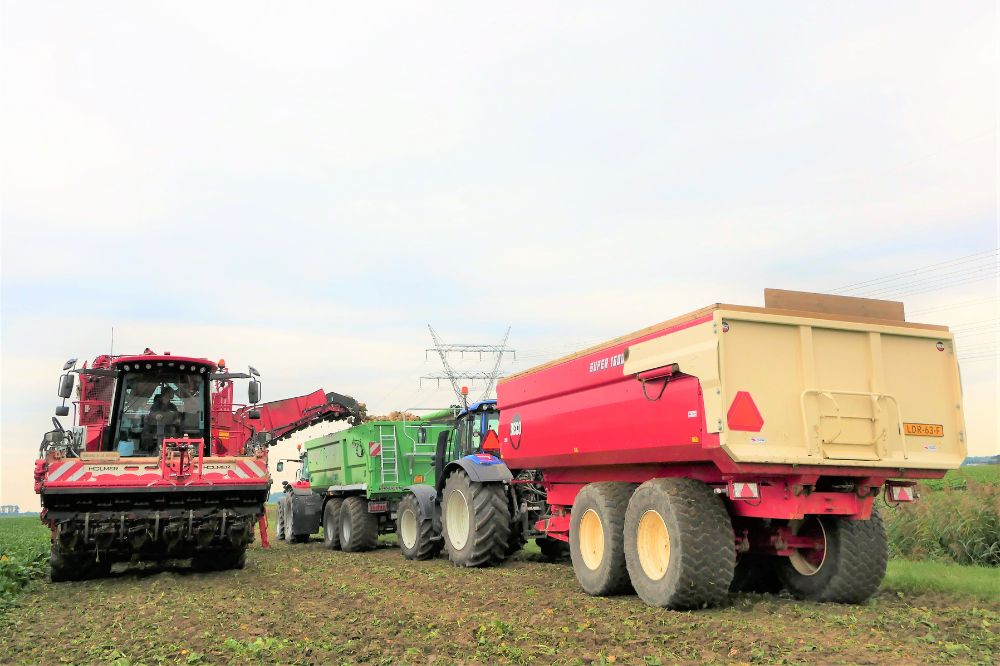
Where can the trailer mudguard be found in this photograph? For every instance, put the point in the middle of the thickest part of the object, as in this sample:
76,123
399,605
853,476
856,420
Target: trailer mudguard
426,497
481,467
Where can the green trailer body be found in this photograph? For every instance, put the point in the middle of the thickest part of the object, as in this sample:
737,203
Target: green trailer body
379,458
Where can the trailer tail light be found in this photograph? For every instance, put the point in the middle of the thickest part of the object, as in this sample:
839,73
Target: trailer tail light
744,490
900,492
378,507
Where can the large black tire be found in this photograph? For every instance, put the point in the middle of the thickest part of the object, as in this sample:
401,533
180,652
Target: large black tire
64,567
475,520
853,562
679,544
596,537
756,572
553,550
220,560
279,527
516,541
358,528
331,523
415,531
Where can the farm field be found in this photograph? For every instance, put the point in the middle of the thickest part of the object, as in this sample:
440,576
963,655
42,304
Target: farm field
304,604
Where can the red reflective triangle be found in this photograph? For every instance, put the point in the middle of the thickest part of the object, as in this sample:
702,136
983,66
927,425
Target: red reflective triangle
743,414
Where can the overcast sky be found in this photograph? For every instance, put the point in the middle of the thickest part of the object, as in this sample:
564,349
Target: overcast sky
305,186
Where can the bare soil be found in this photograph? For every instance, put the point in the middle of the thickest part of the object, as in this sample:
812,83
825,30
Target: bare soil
303,604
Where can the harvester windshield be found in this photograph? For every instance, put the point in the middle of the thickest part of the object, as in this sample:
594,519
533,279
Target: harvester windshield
158,405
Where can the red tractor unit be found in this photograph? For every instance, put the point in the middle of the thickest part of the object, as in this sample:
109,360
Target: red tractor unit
733,447
162,462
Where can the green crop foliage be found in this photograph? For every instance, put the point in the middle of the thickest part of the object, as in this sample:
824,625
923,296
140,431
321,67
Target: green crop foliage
956,519
24,555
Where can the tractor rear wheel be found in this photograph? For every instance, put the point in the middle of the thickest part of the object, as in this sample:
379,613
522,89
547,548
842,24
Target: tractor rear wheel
415,531
331,523
476,521
679,544
358,528
847,568
596,536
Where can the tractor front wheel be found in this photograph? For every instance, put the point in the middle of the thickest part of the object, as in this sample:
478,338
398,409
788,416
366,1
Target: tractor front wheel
476,521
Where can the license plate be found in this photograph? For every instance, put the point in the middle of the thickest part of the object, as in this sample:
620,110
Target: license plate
378,507
924,429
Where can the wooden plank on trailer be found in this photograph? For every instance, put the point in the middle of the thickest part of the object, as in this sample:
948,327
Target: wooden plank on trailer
851,306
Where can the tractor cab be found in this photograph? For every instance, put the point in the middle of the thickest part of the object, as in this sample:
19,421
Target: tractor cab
475,431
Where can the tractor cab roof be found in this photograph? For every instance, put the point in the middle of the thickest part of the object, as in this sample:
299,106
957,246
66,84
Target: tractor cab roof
481,406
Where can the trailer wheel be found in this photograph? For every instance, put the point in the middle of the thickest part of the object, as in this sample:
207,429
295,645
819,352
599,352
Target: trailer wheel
331,523
358,528
848,568
416,531
476,521
553,550
679,544
596,535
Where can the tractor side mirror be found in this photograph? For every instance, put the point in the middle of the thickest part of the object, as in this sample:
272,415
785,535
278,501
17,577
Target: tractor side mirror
281,466
254,415
62,410
66,385
51,437
253,392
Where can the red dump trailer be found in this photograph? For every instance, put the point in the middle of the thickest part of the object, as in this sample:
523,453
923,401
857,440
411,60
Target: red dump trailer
732,447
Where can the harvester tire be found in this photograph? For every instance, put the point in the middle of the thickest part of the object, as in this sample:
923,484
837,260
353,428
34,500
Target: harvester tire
220,560
679,544
852,566
755,572
358,528
331,523
415,531
596,538
553,550
475,520
64,567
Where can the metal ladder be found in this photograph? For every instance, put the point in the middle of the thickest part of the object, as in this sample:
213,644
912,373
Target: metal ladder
389,457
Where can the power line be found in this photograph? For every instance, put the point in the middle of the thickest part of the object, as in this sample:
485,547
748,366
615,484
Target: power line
952,306
931,279
443,349
923,269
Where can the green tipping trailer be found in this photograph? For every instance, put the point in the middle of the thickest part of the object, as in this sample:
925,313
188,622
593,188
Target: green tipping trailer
358,483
